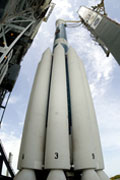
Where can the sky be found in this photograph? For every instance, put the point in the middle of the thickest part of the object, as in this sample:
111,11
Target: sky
103,76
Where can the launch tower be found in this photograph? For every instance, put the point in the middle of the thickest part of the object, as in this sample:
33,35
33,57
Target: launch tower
19,23
104,30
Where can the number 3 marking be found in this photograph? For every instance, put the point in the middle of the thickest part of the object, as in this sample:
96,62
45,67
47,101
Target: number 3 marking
56,155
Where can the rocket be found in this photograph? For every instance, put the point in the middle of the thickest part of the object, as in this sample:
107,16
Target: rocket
57,155
60,135
33,138
87,152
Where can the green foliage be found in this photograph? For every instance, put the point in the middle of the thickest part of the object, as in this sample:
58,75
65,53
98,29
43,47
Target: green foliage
115,177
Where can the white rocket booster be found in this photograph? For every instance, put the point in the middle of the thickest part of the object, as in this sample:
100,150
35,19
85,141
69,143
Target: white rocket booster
57,153
90,174
83,150
95,130
92,118
25,174
56,175
33,139
85,133
45,142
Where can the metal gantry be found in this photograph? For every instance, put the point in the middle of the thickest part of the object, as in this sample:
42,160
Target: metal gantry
12,33
103,30
19,23
3,159
100,8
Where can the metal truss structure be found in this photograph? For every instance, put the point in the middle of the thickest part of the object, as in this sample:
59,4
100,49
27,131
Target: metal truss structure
100,8
4,160
19,23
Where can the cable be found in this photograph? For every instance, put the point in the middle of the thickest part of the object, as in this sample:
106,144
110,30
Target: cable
72,23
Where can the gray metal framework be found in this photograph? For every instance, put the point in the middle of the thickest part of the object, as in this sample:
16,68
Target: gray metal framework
3,159
100,8
19,23
10,33
103,30
6,49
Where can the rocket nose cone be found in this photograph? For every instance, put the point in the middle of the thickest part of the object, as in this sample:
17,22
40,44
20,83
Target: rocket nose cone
90,175
56,175
25,174
59,48
47,51
102,175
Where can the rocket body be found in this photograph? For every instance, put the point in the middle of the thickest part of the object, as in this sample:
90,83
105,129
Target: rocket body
25,174
90,174
57,155
93,121
87,152
34,127
56,175
60,132
33,140
83,150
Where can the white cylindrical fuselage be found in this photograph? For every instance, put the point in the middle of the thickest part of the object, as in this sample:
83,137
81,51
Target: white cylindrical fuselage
60,129
57,153
82,137
33,139
90,174
25,174
56,175
93,122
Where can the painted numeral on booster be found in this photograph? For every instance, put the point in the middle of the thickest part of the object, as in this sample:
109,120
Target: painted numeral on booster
56,155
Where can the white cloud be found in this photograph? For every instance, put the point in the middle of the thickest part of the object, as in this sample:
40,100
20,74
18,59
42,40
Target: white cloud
99,68
21,123
13,99
107,111
112,164
63,9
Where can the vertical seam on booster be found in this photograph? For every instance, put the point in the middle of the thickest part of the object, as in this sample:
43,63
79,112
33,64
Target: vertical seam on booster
48,99
49,91
68,95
